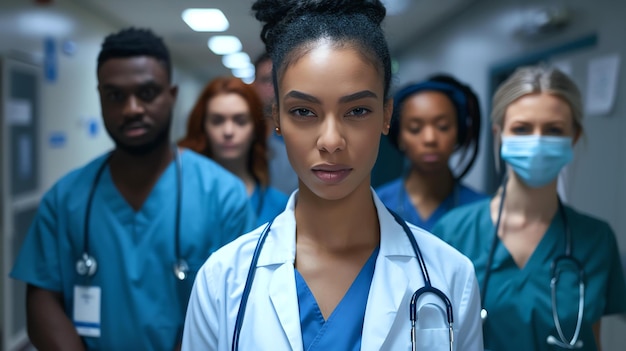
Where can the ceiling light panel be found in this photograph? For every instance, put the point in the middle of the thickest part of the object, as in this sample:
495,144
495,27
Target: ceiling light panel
247,72
236,60
205,20
224,44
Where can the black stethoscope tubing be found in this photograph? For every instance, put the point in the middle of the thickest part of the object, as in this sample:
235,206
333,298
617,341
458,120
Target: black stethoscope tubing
492,250
427,288
496,240
87,264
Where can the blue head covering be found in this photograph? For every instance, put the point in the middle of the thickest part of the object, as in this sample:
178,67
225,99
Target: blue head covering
455,94
467,109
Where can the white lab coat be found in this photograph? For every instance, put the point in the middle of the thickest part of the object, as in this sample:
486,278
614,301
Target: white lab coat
272,320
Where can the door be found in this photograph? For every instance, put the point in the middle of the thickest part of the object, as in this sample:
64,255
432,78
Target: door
19,185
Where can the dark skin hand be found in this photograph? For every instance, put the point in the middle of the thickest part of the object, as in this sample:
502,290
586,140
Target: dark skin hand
49,328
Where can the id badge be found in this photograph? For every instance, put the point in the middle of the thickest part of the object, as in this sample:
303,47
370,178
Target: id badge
87,310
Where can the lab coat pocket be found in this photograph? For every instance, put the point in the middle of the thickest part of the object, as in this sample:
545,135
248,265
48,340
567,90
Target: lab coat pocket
432,328
432,339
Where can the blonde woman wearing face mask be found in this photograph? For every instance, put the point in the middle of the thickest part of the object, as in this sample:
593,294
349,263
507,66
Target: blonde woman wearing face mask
548,273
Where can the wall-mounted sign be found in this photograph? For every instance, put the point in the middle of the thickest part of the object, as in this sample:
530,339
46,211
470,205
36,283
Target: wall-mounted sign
57,139
50,59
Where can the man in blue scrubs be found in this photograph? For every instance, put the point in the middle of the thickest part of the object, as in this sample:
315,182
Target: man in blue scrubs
101,256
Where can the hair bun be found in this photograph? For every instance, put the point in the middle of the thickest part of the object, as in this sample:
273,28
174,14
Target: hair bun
272,12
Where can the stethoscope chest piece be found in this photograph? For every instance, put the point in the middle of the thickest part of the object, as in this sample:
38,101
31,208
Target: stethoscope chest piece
181,268
86,265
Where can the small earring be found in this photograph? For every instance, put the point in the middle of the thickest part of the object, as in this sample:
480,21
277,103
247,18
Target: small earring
277,129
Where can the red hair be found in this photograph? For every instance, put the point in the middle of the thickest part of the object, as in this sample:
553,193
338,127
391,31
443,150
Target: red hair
197,139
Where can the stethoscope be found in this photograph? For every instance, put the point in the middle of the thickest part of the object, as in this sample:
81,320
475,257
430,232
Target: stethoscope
413,315
574,342
87,265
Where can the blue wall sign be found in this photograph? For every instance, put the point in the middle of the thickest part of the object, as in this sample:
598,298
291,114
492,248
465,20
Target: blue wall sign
57,139
50,62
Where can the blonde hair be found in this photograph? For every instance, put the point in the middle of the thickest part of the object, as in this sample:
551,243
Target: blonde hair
534,80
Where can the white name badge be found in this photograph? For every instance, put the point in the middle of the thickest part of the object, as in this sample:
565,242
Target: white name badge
87,310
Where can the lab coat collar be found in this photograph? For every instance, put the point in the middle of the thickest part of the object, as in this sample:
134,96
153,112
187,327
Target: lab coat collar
390,283
284,299
280,245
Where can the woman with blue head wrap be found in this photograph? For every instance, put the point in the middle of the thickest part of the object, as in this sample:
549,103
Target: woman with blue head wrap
431,121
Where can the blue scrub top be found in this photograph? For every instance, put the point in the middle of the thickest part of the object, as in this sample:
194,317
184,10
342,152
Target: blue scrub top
395,197
142,303
344,327
518,300
267,203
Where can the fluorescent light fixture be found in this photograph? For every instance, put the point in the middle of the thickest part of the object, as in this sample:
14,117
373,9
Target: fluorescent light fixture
245,72
236,60
205,20
42,23
224,44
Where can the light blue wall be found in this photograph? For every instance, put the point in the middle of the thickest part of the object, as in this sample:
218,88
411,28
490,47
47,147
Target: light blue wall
481,37
72,98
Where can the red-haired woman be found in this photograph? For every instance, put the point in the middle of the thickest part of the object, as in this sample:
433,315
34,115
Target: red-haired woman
227,125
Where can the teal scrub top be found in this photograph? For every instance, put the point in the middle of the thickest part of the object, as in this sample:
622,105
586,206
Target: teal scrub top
396,198
518,301
142,303
267,203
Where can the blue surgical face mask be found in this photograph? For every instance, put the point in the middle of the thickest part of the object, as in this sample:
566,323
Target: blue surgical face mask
537,160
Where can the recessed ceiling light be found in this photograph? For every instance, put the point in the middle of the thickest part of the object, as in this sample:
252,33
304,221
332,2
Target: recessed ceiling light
224,44
236,60
246,72
205,20
248,80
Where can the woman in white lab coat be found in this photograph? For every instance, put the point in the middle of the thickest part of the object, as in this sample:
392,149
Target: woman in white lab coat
336,270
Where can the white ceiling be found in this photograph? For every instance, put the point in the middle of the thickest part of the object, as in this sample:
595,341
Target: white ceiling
190,49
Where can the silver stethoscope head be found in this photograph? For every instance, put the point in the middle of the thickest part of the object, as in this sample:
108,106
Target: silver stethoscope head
181,269
86,265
